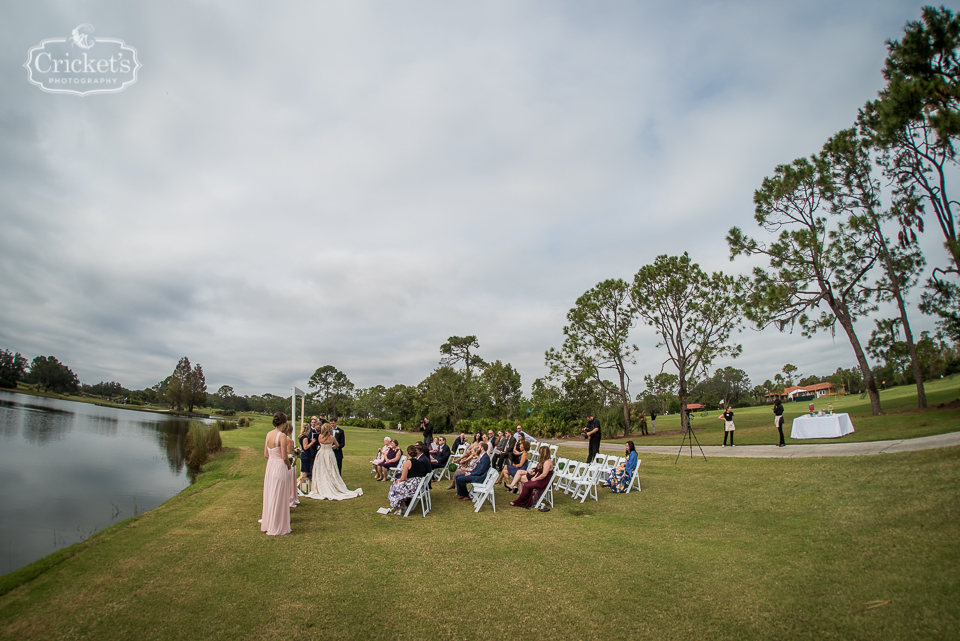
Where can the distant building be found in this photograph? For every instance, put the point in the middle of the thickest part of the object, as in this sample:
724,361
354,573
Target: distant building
802,393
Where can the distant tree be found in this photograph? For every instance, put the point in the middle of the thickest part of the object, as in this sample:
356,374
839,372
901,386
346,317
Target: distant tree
404,403
444,393
660,390
693,313
457,350
13,368
50,374
369,402
333,387
731,385
597,341
502,389
225,397
789,374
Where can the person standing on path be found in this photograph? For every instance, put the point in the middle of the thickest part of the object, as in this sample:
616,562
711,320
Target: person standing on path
728,426
338,446
778,419
593,433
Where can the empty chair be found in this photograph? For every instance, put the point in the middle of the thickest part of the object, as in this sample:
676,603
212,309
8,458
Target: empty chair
586,484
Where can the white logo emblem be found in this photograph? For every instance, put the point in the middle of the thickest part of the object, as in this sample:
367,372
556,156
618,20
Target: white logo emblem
82,64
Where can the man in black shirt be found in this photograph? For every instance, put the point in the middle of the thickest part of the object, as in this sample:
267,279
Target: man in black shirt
593,433
653,421
427,428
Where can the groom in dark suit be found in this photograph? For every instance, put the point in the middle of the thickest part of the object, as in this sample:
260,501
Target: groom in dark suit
338,448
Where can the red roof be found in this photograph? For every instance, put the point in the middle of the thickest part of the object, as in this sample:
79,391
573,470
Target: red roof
695,406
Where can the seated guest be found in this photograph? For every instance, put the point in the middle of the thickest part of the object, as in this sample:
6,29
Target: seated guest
510,471
492,437
391,458
533,441
379,459
537,481
487,444
424,457
619,479
478,474
477,437
457,442
503,452
434,444
518,447
466,463
406,486
442,455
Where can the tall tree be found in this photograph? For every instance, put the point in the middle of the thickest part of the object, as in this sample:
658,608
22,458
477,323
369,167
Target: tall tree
810,264
693,313
195,390
457,350
178,387
855,194
444,393
660,390
597,340
332,386
915,121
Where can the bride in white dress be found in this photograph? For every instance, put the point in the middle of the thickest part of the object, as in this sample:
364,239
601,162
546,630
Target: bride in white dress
326,483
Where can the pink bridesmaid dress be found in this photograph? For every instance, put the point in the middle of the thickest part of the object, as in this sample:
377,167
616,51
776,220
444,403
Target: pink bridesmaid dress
276,493
292,479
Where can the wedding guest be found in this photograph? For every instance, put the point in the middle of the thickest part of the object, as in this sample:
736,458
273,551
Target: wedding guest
442,455
778,419
620,478
406,486
275,518
383,455
477,437
466,463
477,475
728,426
503,452
510,471
538,481
339,445
460,440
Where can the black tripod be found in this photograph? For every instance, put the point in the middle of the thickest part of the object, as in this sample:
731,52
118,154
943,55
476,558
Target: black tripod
689,434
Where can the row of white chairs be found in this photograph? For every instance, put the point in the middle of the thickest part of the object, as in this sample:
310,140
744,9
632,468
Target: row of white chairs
580,479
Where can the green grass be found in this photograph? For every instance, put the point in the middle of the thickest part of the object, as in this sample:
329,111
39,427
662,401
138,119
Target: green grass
842,548
755,424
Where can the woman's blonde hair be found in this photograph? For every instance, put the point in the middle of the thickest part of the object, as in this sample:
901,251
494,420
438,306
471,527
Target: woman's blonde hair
326,430
304,429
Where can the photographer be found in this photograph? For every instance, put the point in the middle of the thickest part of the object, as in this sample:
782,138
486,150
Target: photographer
427,428
592,432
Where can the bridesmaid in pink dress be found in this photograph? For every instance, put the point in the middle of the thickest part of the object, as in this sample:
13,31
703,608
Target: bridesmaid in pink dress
276,481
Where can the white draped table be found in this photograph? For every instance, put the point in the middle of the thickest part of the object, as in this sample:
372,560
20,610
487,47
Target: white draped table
833,426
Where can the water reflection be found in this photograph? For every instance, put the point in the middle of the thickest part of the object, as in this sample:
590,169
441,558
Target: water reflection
69,469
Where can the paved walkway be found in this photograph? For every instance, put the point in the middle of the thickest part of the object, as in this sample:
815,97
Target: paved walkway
790,451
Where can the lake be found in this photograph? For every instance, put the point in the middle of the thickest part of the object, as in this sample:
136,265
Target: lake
68,470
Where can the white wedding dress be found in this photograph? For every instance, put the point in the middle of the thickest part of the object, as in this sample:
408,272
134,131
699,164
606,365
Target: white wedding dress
326,483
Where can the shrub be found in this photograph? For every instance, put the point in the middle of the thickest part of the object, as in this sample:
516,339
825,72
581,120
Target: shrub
243,422
203,441
226,425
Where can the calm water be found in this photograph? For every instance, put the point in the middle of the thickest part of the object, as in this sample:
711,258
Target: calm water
70,469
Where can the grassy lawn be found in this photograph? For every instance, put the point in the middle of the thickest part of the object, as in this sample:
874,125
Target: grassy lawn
755,424
843,548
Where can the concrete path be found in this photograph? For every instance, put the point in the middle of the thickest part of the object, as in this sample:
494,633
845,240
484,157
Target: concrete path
789,451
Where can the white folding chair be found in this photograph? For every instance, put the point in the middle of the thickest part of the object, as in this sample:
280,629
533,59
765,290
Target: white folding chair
546,495
586,484
422,495
599,459
570,472
394,472
635,477
553,451
484,491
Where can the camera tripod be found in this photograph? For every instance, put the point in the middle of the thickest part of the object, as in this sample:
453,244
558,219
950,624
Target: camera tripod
689,434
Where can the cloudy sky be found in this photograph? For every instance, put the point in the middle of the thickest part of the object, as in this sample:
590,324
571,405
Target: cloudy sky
351,183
